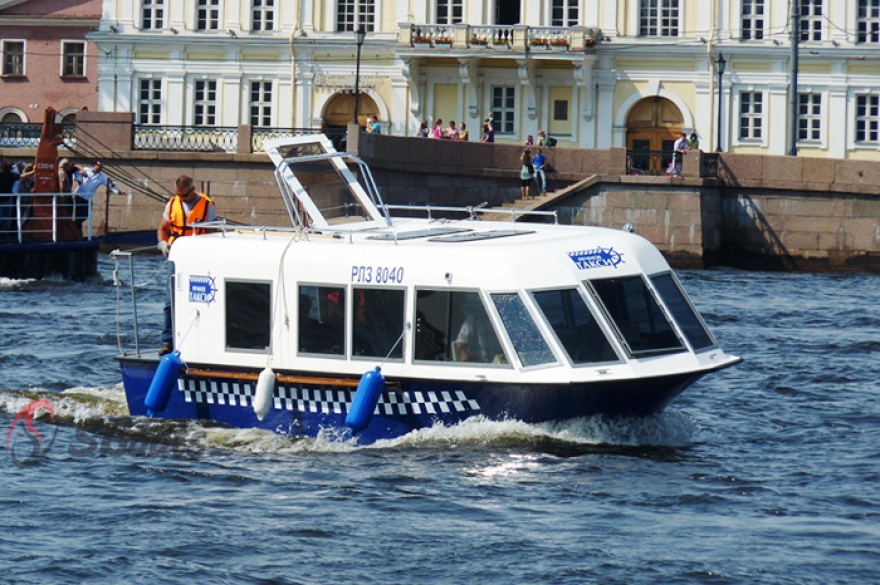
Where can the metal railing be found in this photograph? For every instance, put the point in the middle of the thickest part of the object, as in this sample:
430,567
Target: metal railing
650,162
27,135
258,135
186,138
35,216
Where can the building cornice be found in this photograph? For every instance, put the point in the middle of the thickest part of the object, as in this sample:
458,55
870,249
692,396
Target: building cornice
49,21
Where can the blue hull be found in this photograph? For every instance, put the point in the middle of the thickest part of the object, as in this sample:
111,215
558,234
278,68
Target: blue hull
307,403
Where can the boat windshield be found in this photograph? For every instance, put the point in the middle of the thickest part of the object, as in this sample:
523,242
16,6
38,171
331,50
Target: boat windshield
316,180
574,325
329,190
683,312
636,315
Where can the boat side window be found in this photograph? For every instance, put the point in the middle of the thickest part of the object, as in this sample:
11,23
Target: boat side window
322,320
575,327
378,322
636,315
683,312
530,345
453,326
248,315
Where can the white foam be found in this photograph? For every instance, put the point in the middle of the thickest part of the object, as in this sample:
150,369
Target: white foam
13,283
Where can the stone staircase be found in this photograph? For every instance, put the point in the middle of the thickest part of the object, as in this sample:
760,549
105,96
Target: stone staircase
521,207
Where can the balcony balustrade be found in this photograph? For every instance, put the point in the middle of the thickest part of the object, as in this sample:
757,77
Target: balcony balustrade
433,38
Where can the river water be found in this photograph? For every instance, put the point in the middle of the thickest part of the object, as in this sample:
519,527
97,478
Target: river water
768,472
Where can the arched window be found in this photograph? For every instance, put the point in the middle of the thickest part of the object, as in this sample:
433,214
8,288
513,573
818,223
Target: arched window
11,118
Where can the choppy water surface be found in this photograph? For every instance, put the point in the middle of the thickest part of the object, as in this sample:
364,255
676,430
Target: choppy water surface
765,473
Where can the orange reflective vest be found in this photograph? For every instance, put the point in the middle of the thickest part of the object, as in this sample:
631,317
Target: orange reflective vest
180,221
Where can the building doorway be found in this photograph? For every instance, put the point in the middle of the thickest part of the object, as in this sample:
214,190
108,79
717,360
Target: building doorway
652,127
339,111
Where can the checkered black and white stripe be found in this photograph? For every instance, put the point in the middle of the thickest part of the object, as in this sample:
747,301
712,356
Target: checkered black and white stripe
326,401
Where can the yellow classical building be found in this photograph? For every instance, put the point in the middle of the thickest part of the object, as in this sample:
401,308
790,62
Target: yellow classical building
634,73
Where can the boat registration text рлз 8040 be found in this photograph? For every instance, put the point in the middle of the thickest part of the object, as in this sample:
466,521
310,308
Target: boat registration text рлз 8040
371,318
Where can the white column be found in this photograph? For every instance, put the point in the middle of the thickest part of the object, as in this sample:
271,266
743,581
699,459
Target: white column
233,12
175,99
123,13
590,16
837,12
609,22
606,134
776,122
303,88
176,15
231,101
308,16
836,110
403,123
705,109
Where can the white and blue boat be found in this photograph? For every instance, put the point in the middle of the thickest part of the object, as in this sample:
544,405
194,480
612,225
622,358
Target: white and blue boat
360,317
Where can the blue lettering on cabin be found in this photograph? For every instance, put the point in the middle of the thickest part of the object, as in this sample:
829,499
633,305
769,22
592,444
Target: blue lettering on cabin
202,289
597,258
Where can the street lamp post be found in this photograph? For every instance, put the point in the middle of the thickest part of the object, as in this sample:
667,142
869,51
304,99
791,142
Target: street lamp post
720,64
359,36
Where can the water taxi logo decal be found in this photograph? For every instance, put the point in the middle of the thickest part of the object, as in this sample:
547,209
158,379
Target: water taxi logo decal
597,258
202,289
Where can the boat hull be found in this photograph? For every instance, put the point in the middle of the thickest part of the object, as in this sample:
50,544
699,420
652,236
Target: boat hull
308,404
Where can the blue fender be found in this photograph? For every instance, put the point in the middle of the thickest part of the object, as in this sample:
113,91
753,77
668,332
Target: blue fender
365,399
163,383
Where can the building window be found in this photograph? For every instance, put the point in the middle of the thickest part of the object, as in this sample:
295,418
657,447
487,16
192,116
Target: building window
208,15
809,117
152,14
811,20
503,109
13,58
868,119
868,20
751,114
449,12
263,14
560,110
752,19
11,118
73,59
659,18
150,101
205,103
564,13
352,13
261,103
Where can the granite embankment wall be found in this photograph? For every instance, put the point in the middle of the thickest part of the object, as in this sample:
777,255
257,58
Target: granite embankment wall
761,212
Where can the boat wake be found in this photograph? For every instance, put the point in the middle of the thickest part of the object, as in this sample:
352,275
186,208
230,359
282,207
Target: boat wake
104,413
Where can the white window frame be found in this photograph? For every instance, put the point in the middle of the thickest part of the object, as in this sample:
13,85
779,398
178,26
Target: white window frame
261,103
362,12
811,120
209,11
566,6
152,102
3,44
64,45
451,7
868,27
497,122
658,6
263,13
157,15
751,117
868,118
754,20
22,116
812,21
208,106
